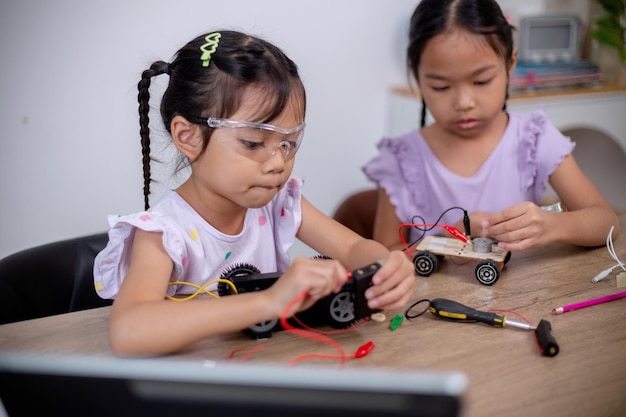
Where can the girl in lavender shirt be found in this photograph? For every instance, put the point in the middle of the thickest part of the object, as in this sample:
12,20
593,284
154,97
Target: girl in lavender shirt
476,155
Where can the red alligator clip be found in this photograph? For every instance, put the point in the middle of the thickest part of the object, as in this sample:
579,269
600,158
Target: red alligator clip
364,349
456,233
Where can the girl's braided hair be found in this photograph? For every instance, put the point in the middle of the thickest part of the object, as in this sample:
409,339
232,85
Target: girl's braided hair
239,62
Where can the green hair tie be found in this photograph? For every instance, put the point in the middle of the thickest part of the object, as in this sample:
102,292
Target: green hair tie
209,47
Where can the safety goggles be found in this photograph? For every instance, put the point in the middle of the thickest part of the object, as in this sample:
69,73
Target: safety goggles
258,141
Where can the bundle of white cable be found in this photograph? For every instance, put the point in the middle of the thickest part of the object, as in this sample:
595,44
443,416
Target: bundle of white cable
611,249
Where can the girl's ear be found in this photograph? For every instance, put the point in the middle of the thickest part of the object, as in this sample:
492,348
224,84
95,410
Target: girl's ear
186,136
512,64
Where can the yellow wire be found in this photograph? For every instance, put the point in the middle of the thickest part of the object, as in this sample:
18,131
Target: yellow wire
200,289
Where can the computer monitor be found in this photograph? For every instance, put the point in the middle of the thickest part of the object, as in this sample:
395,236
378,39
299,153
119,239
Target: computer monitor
108,386
549,39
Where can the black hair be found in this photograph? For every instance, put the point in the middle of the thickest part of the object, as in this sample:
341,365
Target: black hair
480,17
240,61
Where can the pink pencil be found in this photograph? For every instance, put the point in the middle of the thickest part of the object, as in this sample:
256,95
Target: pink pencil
593,301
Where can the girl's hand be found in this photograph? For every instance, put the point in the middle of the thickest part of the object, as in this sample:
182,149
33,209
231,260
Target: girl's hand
519,227
477,219
393,283
315,277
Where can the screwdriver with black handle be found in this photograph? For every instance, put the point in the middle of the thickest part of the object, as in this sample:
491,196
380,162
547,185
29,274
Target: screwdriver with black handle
452,310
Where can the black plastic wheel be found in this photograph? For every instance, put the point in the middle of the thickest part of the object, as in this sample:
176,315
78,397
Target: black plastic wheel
487,272
425,263
262,330
339,309
237,270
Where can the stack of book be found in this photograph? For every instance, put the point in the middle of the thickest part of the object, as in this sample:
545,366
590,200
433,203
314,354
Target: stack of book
558,76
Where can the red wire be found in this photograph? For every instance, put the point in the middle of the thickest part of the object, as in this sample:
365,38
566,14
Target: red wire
338,331
514,313
450,229
320,356
232,353
247,355
527,321
313,334
309,334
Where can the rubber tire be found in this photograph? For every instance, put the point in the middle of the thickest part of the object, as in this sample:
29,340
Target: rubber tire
487,272
339,309
425,263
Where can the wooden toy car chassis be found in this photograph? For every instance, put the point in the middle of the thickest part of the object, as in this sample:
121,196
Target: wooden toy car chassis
487,271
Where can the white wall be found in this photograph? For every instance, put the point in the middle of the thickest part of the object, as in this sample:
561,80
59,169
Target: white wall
69,145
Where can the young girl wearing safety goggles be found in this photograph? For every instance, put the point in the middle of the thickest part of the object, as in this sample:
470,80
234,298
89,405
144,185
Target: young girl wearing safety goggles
234,108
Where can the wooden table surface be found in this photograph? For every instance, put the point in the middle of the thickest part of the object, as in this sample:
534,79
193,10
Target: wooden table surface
507,375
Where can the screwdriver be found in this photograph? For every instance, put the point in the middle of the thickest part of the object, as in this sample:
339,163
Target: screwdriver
452,310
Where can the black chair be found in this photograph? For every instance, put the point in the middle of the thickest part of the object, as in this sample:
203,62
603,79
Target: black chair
50,279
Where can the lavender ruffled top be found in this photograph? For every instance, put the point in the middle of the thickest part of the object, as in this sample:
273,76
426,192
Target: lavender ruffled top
517,170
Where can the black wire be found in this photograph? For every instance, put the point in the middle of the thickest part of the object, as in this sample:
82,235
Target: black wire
425,229
409,317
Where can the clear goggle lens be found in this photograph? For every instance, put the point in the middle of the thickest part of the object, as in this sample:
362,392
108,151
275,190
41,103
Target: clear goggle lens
259,141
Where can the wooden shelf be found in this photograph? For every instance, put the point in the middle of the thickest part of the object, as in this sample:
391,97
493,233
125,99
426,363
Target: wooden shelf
602,89
600,108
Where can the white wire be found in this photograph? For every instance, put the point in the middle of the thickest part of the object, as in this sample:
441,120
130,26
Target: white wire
611,248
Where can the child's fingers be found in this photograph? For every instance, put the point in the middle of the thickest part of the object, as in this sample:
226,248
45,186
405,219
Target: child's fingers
393,283
393,269
327,277
395,298
315,277
485,228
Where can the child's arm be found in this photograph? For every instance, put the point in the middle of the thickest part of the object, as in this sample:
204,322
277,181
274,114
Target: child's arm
386,223
393,283
586,221
143,322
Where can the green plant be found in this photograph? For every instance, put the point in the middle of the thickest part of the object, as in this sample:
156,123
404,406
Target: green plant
610,28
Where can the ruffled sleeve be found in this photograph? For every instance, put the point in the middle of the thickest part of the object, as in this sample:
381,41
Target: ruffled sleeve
112,263
399,170
542,149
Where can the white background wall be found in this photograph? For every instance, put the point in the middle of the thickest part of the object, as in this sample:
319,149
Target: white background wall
69,144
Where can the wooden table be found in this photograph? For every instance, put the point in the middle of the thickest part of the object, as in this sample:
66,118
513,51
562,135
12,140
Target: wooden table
507,375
